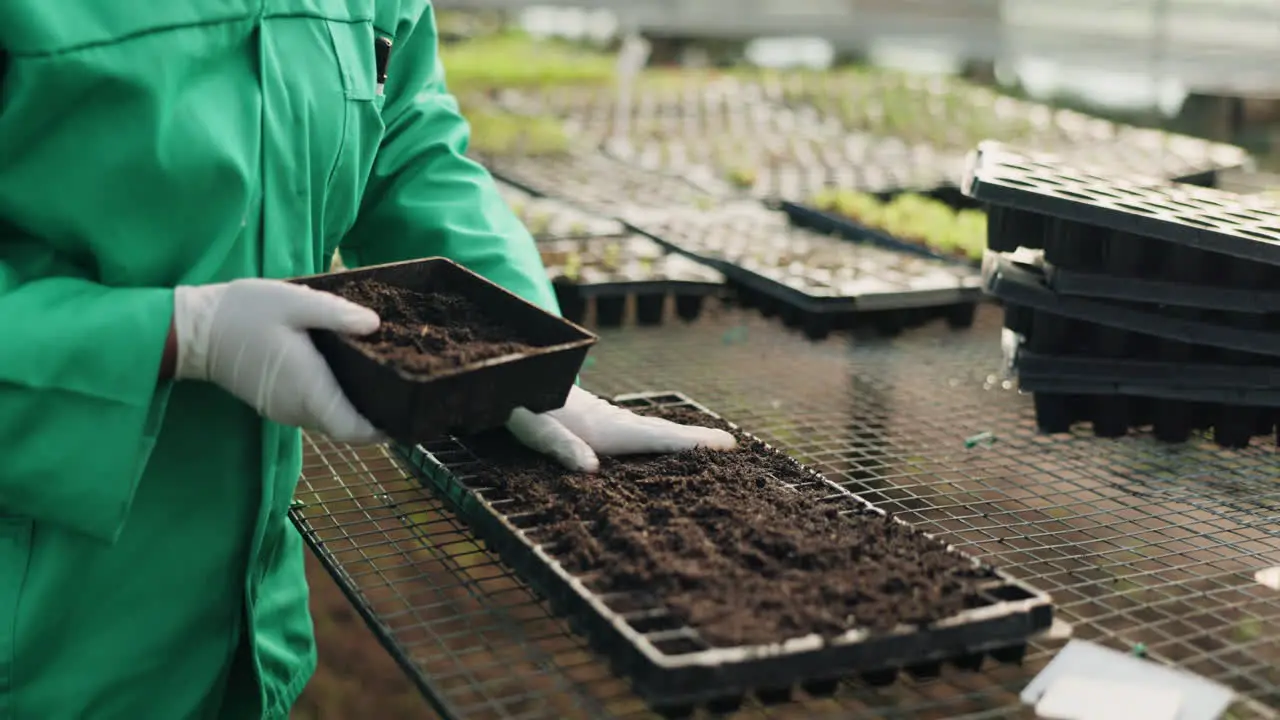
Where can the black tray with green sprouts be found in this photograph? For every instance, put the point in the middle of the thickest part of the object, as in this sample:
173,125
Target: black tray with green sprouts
909,221
611,272
818,282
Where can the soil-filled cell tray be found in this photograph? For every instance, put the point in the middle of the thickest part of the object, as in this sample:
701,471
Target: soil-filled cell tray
704,576
549,219
820,282
1093,377
1121,225
1026,284
910,222
455,353
607,271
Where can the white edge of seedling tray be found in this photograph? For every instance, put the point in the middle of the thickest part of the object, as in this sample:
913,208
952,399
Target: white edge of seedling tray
722,656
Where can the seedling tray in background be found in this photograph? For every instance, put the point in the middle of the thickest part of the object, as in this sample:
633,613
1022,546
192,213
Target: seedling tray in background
673,669
411,407
550,219
601,184
610,272
831,223
817,282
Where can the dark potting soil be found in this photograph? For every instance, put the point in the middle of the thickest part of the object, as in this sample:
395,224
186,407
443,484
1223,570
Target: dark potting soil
429,333
725,547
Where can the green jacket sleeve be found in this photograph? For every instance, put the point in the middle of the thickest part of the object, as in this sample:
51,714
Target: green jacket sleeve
79,404
425,197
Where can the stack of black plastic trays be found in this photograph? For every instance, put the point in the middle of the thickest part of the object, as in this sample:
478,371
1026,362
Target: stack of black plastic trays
1132,302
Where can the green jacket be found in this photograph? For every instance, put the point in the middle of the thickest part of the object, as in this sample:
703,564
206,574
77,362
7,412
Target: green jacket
146,144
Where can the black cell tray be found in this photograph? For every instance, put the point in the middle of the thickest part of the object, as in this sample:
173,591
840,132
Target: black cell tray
1238,299
1027,285
413,408
817,317
829,223
677,681
650,298
886,314
1118,381
1123,226
689,292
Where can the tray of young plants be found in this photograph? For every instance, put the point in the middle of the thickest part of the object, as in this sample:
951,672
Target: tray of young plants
708,576
1118,380
602,185
914,222
945,113
720,132
548,218
954,115
613,272
454,352
818,282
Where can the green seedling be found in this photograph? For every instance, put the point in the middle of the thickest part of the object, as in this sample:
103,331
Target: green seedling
914,218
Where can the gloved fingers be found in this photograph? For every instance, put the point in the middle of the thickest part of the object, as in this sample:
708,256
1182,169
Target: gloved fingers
324,406
611,430
631,434
304,307
544,434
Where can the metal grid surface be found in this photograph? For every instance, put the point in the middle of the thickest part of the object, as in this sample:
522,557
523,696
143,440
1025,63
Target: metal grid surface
1137,542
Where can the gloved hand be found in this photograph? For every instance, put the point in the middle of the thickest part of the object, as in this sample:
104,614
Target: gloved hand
588,427
250,338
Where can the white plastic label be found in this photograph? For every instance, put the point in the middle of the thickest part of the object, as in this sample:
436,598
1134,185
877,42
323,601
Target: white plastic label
1072,697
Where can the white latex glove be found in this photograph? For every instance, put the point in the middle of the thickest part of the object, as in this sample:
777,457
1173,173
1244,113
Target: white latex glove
250,338
588,427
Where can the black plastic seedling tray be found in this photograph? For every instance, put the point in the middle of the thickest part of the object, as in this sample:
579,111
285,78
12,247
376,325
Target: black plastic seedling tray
1118,225
887,291
1117,383
829,223
648,274
413,408
1238,299
1027,285
676,677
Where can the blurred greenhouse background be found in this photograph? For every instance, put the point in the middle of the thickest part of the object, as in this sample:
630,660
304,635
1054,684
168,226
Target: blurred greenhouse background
927,79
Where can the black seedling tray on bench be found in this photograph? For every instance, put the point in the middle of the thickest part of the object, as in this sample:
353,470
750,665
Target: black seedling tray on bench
674,669
668,275
411,407
889,292
829,223
1132,226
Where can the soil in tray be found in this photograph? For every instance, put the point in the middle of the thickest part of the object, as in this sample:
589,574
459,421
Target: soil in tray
430,333
727,548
